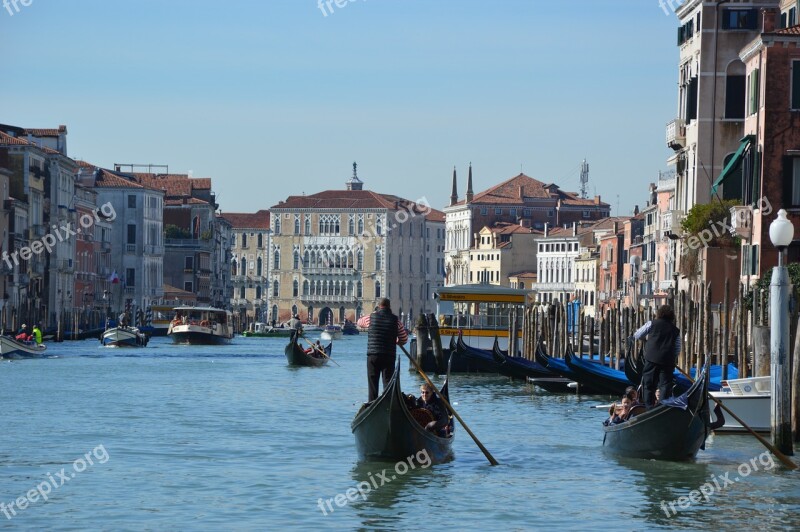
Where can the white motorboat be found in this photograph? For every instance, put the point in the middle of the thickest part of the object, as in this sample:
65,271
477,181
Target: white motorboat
11,348
331,332
123,337
750,400
201,326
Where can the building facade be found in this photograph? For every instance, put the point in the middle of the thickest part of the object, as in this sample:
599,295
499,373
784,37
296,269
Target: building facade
250,240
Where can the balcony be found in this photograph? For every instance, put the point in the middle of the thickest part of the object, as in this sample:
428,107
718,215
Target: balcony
329,271
153,250
676,134
129,290
665,285
189,243
105,247
317,298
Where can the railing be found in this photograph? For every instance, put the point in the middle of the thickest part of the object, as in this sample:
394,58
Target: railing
307,270
129,290
130,248
666,284
154,250
676,134
666,221
189,243
329,298
742,221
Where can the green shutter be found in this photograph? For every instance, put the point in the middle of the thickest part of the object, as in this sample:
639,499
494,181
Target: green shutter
754,91
788,177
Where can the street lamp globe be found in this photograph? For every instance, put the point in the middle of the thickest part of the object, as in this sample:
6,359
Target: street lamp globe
781,231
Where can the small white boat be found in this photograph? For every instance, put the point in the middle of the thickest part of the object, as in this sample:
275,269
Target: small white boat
750,400
123,337
201,326
331,332
11,348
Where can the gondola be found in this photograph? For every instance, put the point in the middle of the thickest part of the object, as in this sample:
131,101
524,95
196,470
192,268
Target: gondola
518,367
385,428
559,367
597,376
296,356
674,430
481,359
634,368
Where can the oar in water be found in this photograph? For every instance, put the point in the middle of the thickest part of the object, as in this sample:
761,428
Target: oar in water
782,457
318,350
451,409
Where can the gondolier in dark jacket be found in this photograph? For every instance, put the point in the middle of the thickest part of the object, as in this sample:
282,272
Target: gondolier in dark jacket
660,354
385,332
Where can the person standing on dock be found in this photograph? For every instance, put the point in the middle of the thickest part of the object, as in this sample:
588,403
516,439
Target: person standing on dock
385,332
660,354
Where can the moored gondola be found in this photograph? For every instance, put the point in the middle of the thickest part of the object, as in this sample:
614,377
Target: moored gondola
518,367
480,359
385,429
559,367
597,376
674,430
296,355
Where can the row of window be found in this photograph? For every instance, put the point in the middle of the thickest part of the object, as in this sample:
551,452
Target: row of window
558,247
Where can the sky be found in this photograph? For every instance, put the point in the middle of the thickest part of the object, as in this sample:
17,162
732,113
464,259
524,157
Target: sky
272,98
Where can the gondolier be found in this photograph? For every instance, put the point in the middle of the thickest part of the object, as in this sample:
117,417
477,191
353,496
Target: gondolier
385,332
660,354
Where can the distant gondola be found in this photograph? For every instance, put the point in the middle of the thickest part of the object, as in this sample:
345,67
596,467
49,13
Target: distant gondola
674,430
296,356
560,367
385,428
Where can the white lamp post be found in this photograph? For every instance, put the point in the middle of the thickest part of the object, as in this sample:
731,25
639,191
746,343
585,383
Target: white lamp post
781,233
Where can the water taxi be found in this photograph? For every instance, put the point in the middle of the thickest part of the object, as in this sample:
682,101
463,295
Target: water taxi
201,326
480,312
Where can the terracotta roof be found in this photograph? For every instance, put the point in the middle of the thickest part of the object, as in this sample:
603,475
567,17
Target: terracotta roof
435,216
524,275
508,192
170,292
348,199
202,183
8,140
505,228
246,220
793,30
173,185
184,201
108,179
46,132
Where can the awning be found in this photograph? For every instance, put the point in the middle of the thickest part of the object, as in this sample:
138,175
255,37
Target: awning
734,163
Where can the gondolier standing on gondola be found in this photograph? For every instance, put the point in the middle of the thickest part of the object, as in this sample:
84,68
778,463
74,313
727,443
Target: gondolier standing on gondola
660,354
385,333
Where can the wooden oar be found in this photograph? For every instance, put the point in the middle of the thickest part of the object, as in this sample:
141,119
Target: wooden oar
318,350
451,409
782,457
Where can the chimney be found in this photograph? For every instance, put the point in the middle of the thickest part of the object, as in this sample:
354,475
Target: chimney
574,228
521,194
546,228
615,227
524,222
769,18
469,184
635,210
454,193
597,200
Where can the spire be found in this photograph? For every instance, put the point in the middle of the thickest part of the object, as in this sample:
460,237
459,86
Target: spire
469,184
355,183
454,193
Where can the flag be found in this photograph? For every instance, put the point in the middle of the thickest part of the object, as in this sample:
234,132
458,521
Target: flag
114,278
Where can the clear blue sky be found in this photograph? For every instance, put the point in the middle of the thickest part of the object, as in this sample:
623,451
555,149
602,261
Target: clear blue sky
272,98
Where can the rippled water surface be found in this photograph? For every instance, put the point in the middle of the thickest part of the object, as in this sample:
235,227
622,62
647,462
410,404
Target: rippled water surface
231,438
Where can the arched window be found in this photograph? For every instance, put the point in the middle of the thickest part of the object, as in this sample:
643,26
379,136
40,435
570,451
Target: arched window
296,261
275,288
377,289
360,260
276,259
378,225
306,259
297,224
294,310
234,263
735,90
351,225
305,287
244,266
277,224
341,314
359,289
258,267
260,240
378,260
308,224
274,312
360,224
295,288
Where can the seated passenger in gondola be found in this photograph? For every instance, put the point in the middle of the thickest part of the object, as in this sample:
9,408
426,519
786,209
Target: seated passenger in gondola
431,402
618,412
633,394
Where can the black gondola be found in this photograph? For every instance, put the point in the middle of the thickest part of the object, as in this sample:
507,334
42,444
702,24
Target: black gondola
385,429
596,376
518,367
674,430
296,355
482,360
559,367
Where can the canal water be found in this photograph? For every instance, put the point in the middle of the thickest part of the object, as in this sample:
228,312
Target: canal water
213,438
